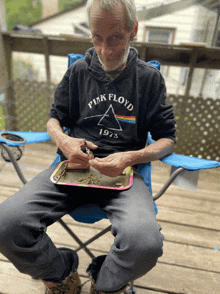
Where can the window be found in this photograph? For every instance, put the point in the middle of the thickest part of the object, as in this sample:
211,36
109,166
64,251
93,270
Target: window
159,35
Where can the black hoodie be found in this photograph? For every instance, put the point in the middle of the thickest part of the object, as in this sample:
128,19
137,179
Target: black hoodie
114,114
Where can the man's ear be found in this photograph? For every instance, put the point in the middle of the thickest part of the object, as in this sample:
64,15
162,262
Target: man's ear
134,32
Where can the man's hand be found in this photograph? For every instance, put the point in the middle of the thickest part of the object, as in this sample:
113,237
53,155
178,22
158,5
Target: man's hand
72,149
112,165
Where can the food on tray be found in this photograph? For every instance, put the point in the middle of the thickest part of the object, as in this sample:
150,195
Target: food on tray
89,180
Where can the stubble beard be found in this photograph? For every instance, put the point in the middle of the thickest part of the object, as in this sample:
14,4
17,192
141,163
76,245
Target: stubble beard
122,61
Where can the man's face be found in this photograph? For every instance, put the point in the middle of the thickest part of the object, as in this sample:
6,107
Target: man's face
111,36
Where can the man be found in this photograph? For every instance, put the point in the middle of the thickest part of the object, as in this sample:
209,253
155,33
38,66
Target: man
112,99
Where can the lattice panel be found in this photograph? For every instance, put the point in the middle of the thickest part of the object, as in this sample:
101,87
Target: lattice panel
198,126
198,120
32,104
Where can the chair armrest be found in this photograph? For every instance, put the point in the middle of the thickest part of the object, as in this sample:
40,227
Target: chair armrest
190,163
187,162
31,137
183,165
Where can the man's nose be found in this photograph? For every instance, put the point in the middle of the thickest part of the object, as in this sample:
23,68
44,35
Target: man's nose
106,48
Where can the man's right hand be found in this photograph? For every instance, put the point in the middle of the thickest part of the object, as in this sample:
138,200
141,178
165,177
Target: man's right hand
72,149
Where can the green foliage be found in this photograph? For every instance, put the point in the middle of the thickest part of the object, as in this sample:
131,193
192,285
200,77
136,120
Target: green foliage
21,12
2,122
24,12
64,4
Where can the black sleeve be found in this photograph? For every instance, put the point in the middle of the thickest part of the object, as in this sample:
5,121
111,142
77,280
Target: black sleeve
60,108
161,121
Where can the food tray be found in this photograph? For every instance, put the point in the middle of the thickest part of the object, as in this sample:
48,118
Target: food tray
91,178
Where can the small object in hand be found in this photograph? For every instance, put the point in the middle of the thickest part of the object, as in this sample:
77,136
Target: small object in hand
87,149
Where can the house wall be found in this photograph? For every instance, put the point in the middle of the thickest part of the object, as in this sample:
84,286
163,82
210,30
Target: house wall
49,7
193,24
183,22
63,23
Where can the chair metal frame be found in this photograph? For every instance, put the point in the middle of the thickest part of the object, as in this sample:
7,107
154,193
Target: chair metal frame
83,245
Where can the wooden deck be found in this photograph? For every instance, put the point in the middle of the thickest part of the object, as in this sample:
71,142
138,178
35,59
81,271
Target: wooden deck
190,222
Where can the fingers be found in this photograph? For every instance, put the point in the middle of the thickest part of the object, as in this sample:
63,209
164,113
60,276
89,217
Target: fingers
91,145
105,167
78,156
73,150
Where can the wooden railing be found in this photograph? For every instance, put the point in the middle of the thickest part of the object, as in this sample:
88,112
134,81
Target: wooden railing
191,129
173,55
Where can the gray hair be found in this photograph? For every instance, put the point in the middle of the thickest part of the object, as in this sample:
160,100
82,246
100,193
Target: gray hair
131,14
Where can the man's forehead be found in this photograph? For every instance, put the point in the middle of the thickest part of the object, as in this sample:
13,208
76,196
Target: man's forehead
113,27
111,20
115,14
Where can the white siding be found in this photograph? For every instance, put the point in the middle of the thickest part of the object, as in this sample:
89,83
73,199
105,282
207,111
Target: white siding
63,24
182,21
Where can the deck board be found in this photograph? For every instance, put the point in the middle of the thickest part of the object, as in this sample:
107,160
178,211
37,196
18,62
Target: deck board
190,222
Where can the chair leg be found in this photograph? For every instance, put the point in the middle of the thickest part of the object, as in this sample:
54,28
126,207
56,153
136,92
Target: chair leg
103,232
84,245
76,238
131,290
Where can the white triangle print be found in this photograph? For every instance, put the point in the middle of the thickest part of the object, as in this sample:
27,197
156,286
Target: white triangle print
109,120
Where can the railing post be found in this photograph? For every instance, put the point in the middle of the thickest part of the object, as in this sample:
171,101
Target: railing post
7,78
47,59
191,70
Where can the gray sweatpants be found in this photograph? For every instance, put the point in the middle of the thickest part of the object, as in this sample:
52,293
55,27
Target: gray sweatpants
25,216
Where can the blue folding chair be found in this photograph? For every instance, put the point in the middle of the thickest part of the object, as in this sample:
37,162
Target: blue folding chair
11,143
91,214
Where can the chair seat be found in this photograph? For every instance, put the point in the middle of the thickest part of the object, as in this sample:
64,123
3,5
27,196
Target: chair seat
88,214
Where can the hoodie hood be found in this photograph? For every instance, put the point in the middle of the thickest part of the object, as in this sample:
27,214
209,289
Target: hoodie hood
95,68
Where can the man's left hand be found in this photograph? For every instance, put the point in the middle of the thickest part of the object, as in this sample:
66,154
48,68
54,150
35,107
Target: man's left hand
112,165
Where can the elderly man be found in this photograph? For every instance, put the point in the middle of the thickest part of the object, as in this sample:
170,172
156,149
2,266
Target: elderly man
109,82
